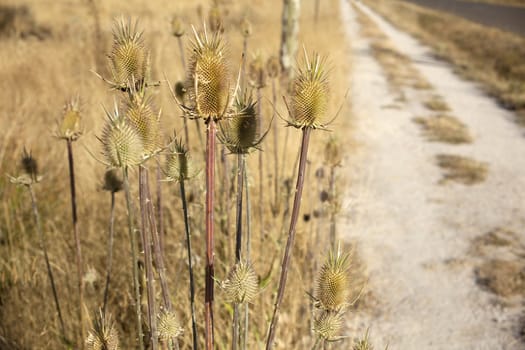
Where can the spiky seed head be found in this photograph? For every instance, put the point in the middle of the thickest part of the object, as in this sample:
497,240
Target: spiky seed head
256,71
273,67
103,335
180,90
112,181
208,81
122,145
333,282
129,58
179,166
140,115
363,344
246,27
69,128
169,326
215,19
241,132
332,152
309,100
177,26
242,284
29,164
328,324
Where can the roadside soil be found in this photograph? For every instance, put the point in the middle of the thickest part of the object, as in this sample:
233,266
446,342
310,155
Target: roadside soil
445,259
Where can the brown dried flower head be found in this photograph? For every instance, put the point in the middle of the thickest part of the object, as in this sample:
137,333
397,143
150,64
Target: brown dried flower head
69,128
309,100
177,26
140,114
179,166
129,58
208,82
169,326
112,181
242,284
333,283
328,324
104,335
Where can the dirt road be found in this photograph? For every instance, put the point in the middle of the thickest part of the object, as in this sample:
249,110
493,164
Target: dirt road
415,233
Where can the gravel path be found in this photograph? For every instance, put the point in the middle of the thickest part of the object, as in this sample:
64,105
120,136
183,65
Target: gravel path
413,233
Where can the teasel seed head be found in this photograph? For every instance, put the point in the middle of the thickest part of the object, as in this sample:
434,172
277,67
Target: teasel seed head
256,71
246,27
169,326
333,282
208,82
241,132
242,284
69,128
177,26
112,181
332,152
104,335
309,100
180,91
273,67
327,324
179,166
129,58
363,344
140,114
29,167
122,145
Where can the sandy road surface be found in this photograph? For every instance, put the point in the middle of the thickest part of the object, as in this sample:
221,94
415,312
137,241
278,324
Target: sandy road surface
413,233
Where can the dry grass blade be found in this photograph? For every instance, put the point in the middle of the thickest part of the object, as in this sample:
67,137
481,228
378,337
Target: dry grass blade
444,128
461,169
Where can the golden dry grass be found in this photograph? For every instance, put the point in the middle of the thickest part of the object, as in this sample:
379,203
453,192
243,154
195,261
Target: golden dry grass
461,169
444,128
488,55
43,72
436,103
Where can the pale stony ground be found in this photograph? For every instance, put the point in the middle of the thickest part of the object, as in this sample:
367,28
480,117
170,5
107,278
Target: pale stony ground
414,234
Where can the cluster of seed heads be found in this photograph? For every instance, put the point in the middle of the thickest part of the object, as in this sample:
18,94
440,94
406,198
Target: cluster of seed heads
242,284
208,81
169,326
104,335
309,100
70,127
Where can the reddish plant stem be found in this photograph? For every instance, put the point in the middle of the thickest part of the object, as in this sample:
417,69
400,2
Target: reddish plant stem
110,251
291,237
210,179
77,241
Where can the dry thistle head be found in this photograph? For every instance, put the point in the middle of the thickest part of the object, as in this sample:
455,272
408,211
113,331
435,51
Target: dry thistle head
29,167
328,324
215,19
273,67
208,81
241,132
177,26
309,100
179,166
129,58
112,181
256,71
169,326
242,284
332,152
246,27
140,115
104,335
363,344
70,126
122,145
333,282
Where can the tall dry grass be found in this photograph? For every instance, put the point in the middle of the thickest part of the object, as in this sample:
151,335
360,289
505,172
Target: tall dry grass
41,74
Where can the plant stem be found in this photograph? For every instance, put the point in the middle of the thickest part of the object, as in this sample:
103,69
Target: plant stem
110,251
134,249
146,243
291,237
333,207
238,243
160,209
261,173
276,202
248,246
243,62
43,246
190,263
210,179
77,241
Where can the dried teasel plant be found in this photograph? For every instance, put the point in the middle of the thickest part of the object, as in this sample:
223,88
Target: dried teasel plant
257,71
103,335
70,125
169,326
327,326
332,289
242,284
179,165
177,26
